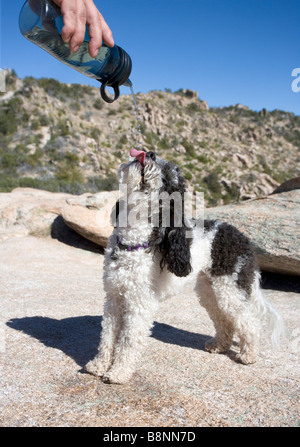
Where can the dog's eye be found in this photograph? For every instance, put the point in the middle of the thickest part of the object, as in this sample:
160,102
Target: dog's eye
151,155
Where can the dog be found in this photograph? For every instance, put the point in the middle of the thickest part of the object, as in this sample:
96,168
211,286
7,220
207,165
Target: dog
145,263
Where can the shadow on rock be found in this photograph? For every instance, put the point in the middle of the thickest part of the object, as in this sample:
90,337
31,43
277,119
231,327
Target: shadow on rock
66,235
78,337
277,281
180,337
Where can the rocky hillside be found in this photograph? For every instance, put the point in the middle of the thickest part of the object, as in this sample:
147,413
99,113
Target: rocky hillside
63,137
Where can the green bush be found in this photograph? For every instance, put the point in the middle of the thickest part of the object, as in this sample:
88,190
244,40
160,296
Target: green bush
123,140
62,128
212,182
98,104
44,120
95,133
188,175
100,183
189,148
203,159
9,114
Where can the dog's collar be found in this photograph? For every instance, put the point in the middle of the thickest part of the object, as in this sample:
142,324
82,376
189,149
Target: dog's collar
129,248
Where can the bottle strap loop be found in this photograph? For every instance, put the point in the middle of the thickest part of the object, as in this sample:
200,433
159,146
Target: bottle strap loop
104,95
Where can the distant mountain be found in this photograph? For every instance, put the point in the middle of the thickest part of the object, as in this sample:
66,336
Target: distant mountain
63,137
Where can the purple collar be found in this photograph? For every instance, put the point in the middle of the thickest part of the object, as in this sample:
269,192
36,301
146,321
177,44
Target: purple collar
131,247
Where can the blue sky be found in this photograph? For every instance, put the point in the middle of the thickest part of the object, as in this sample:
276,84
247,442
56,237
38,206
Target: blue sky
230,51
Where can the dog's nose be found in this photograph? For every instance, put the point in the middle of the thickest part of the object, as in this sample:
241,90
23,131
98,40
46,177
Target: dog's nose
151,155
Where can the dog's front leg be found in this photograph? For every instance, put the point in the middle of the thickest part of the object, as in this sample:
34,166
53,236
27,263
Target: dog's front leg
137,322
111,325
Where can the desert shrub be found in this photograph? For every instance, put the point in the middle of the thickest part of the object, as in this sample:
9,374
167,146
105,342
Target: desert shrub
62,128
9,116
8,183
164,143
98,104
35,124
264,165
71,158
44,120
56,88
35,159
10,159
213,183
95,133
101,183
193,107
123,140
189,148
188,175
203,159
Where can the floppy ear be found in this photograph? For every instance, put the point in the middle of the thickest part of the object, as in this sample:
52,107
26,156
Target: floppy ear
175,248
171,241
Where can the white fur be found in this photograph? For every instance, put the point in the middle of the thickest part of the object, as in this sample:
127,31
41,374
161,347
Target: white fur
134,286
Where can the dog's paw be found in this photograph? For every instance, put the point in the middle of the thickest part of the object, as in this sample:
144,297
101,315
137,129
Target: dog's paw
96,368
215,346
247,358
117,377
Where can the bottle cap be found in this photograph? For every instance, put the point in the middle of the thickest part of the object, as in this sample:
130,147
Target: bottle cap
120,77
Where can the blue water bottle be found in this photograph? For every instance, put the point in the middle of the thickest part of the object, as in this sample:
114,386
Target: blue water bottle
41,22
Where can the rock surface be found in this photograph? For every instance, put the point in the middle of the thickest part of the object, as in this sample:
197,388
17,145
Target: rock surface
273,224
93,224
27,211
51,304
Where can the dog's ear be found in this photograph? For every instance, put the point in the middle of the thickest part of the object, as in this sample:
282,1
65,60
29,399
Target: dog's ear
175,248
171,241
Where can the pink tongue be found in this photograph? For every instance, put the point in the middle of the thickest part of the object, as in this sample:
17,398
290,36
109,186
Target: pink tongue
139,155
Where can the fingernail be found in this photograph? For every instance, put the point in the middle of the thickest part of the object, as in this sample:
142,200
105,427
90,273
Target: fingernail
75,49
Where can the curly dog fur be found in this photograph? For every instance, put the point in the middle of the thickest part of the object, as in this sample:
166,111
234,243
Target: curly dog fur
145,263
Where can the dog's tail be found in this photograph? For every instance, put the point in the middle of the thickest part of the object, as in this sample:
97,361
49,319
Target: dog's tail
266,312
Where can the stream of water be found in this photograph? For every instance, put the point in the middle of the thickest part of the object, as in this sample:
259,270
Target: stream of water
139,144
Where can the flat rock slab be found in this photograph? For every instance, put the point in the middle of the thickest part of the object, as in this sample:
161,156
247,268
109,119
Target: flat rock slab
273,225
51,307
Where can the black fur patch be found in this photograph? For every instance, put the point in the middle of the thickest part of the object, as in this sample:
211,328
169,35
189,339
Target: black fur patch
171,241
209,225
228,248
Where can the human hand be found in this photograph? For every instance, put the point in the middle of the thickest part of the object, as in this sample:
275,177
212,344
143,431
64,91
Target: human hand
76,15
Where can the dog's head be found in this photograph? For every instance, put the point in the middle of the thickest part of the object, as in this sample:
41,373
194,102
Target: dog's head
163,180
141,174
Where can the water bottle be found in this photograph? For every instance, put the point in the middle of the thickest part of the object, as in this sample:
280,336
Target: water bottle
41,22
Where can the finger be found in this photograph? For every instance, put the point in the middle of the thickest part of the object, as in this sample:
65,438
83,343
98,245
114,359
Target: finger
79,33
93,21
107,35
98,29
95,33
68,10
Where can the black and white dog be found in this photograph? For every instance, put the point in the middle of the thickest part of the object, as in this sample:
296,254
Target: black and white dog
145,263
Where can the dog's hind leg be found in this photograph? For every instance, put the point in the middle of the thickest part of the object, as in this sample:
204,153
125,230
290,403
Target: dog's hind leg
111,326
236,307
136,326
223,326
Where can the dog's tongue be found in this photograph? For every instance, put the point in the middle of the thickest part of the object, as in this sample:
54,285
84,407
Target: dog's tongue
139,155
